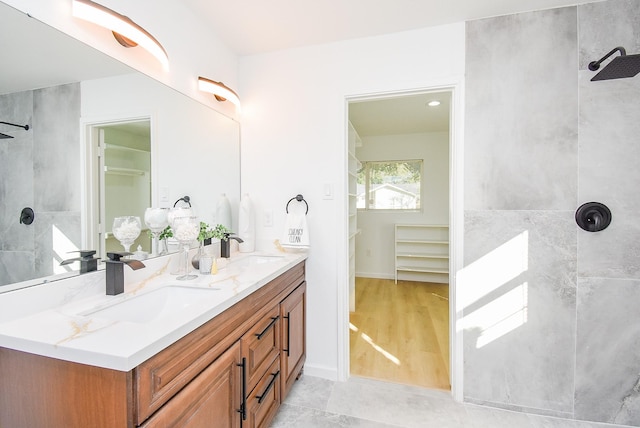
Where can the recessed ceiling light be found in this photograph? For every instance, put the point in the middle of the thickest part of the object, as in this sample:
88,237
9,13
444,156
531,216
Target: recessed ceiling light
433,103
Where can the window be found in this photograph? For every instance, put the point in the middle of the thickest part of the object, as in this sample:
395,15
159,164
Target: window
390,185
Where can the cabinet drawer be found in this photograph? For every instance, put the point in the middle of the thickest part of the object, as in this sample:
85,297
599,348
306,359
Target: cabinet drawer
261,345
264,400
211,399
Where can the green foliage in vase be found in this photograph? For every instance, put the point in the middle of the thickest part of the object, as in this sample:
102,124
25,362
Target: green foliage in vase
166,233
218,232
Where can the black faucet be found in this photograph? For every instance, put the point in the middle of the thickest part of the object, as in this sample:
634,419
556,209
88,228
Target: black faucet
115,271
87,262
225,250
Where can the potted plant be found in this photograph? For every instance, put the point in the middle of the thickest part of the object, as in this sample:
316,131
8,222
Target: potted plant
163,236
204,237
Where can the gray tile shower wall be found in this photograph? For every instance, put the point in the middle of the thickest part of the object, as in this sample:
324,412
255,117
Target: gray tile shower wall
519,338
32,177
607,377
608,327
521,137
16,188
541,139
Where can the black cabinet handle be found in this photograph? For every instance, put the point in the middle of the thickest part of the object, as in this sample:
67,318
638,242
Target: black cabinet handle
287,317
266,391
273,321
243,406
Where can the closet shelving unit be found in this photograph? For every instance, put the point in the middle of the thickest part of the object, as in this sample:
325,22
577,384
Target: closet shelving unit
353,167
131,153
422,252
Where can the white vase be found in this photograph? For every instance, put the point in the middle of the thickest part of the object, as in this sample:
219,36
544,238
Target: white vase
223,211
247,225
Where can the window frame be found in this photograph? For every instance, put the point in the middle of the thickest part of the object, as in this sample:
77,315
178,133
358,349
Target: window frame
367,186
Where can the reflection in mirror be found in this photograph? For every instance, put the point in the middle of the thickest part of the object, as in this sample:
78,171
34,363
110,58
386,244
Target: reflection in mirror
120,158
190,150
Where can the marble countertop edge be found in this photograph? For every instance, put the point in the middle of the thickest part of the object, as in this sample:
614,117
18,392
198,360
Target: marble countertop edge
123,345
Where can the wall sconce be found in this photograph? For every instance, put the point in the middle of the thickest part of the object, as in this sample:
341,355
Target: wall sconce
126,32
219,90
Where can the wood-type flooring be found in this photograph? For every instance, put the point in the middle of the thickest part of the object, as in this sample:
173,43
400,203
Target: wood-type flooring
400,332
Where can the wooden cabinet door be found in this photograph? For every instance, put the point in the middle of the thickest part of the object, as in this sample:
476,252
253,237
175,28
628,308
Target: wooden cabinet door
292,354
212,399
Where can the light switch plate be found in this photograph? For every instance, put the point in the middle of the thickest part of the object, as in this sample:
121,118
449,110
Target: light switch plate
164,194
327,191
268,218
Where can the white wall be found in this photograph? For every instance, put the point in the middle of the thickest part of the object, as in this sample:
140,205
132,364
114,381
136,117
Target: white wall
374,244
193,48
294,131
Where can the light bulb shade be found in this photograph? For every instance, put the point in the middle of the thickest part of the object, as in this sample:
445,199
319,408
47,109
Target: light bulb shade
221,91
122,26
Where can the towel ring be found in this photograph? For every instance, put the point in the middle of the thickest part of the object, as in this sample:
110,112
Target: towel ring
185,199
298,198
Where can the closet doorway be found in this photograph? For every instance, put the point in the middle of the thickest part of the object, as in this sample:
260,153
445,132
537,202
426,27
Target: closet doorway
399,199
119,171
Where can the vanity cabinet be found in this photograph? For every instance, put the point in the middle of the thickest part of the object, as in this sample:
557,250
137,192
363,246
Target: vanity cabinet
233,371
292,356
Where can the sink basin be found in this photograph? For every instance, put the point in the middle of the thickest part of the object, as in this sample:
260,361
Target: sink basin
256,259
155,304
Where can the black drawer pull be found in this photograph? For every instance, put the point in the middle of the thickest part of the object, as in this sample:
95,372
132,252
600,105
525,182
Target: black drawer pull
273,321
288,318
266,391
243,405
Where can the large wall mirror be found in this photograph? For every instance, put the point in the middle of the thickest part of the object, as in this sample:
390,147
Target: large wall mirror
161,142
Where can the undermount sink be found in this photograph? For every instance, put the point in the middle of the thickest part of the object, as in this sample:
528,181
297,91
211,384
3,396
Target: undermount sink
155,304
257,259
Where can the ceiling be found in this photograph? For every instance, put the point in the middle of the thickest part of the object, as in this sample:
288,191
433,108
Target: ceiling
408,114
252,27
256,26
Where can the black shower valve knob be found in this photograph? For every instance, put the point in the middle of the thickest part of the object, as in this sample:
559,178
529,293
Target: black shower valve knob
26,216
593,216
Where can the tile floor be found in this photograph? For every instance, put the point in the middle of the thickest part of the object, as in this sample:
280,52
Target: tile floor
364,403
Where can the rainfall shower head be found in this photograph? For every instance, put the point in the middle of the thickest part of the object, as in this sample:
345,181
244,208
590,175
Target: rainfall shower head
621,67
5,136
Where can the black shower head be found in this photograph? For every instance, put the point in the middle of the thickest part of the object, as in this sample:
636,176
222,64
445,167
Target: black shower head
621,67
4,136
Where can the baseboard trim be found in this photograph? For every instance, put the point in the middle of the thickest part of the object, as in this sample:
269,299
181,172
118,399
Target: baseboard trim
321,372
374,275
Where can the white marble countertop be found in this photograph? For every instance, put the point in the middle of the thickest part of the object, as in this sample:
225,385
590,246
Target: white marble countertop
48,319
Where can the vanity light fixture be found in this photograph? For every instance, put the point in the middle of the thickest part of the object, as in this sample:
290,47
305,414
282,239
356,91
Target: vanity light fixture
219,90
126,32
